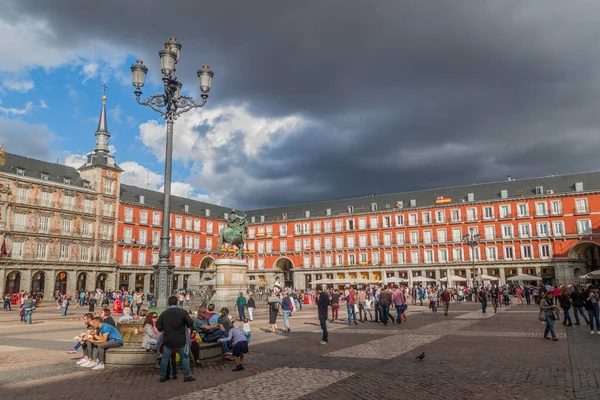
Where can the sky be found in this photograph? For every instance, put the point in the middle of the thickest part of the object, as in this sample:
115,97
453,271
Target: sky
311,100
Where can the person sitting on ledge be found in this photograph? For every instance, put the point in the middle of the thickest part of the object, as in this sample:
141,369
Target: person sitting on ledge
106,318
126,317
211,333
108,337
211,315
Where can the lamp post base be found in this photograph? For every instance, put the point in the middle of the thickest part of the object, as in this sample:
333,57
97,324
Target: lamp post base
163,283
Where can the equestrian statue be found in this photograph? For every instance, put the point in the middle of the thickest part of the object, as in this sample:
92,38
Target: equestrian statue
234,234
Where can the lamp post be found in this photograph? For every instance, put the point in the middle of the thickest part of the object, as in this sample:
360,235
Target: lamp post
471,239
170,105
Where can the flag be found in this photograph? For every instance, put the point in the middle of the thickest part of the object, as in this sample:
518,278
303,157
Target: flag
3,250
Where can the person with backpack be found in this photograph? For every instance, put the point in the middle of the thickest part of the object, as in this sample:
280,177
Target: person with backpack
274,304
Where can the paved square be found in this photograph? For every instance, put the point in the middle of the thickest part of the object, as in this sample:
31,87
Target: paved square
468,355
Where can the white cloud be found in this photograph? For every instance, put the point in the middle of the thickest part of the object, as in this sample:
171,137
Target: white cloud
17,111
181,189
115,113
112,149
30,140
138,175
39,47
89,70
203,136
43,104
18,85
75,160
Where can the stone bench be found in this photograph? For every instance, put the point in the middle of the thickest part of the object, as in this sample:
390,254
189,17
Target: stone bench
135,355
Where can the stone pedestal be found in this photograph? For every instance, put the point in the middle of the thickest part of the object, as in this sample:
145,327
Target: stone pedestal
231,280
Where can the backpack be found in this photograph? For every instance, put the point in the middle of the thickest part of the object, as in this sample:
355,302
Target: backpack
275,306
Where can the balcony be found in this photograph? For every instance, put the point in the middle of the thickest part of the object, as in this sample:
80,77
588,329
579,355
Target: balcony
581,211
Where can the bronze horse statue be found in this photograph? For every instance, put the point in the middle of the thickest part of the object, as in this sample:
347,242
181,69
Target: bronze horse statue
230,237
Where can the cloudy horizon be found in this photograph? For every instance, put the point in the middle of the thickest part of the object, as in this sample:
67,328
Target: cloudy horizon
312,101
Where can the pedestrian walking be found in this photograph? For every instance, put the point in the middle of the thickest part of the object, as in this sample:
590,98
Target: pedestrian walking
547,308
174,323
482,296
446,300
251,306
241,306
385,301
565,303
591,304
322,307
578,300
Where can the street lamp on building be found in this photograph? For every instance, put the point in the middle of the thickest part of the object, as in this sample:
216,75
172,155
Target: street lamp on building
471,239
170,105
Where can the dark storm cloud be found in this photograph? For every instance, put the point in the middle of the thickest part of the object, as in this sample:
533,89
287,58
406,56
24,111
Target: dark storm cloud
402,95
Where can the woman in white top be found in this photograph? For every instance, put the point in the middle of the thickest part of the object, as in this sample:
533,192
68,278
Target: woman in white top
433,302
369,307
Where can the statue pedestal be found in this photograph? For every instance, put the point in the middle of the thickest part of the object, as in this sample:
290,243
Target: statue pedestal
231,280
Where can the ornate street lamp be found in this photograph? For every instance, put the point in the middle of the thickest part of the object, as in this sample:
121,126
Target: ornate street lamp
471,239
170,105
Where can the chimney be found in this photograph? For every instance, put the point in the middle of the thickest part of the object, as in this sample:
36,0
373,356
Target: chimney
508,178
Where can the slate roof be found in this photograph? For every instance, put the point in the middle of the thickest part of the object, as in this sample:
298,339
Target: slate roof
34,169
427,198
131,194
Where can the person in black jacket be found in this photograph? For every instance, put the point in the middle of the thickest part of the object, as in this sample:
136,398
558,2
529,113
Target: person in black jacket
174,323
323,307
578,305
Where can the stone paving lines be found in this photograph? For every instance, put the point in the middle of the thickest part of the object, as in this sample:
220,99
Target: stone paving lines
269,385
385,348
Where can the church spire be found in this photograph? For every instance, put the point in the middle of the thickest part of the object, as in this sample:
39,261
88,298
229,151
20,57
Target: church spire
102,134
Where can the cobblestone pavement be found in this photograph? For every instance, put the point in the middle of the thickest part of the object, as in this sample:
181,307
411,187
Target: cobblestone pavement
468,355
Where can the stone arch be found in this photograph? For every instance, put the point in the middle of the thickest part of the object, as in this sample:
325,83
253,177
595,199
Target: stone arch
38,281
577,272
285,265
207,263
101,281
82,278
12,283
60,283
586,251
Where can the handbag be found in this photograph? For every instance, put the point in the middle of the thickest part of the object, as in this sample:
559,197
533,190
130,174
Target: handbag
542,315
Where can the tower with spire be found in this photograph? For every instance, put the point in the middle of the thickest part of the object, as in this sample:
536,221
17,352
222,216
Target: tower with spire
103,174
101,156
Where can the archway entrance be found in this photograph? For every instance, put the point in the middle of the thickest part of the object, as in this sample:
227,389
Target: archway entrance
101,281
81,282
286,266
588,252
61,282
38,282
12,283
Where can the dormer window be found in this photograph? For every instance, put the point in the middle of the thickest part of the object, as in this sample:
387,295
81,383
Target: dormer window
21,171
186,208
67,180
44,176
86,184
142,199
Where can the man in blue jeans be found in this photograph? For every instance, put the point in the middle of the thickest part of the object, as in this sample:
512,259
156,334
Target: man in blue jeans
350,301
27,307
175,323
385,301
211,333
241,305
482,295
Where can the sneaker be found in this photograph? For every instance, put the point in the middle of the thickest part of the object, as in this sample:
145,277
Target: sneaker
592,332
322,342
89,364
81,361
189,379
71,351
227,357
238,368
99,366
